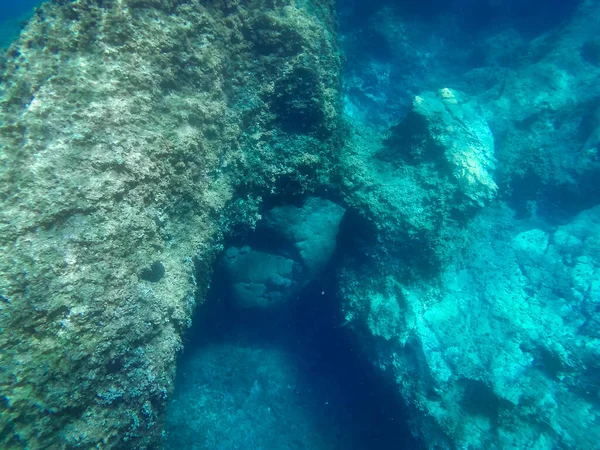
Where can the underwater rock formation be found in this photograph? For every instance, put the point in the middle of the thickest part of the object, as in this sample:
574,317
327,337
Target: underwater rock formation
487,321
442,129
505,343
137,135
420,182
544,112
311,230
134,134
259,279
302,243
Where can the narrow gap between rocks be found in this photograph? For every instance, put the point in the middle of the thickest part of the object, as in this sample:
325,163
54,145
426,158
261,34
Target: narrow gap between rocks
284,377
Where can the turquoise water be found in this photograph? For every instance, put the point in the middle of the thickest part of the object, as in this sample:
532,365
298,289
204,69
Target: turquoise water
439,289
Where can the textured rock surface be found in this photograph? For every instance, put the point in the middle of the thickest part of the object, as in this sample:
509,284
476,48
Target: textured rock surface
494,351
444,130
132,135
420,182
544,112
311,229
486,321
302,242
259,279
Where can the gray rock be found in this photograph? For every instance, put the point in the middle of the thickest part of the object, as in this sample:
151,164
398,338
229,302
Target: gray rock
261,279
312,230
258,279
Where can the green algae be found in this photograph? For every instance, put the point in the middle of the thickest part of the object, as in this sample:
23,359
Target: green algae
128,131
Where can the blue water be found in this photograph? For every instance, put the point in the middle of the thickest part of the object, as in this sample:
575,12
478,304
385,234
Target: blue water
12,16
286,379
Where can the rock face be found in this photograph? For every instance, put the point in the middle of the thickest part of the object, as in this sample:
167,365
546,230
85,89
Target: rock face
442,129
311,229
418,183
127,128
136,134
305,242
545,117
475,288
259,279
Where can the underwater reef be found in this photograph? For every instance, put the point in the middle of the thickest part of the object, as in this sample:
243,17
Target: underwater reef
422,174
479,295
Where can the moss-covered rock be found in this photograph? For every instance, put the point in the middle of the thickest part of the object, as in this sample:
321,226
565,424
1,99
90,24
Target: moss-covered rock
133,134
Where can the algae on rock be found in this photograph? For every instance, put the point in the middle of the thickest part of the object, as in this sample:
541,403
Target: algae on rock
483,315
132,134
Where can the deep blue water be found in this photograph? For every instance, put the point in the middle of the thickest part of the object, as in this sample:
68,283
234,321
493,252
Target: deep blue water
12,15
335,388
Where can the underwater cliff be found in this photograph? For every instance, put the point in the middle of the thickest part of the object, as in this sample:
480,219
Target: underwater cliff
291,224
134,135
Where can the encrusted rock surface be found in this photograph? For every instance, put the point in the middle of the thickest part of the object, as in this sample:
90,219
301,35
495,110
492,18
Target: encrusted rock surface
301,243
485,317
310,229
133,134
136,134
259,279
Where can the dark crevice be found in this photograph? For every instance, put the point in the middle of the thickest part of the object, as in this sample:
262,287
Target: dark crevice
340,387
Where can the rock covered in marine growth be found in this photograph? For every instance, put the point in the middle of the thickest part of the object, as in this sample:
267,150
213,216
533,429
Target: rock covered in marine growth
259,279
132,135
311,229
444,129
419,183
301,242
545,108
498,345
492,353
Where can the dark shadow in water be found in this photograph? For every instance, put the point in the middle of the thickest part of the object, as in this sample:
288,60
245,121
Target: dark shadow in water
362,403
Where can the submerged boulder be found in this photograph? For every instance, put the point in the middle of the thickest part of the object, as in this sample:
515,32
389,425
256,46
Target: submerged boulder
312,230
301,243
258,279
444,129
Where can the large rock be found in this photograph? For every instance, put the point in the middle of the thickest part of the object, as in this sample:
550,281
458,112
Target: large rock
544,112
444,129
496,344
419,183
312,229
268,278
258,279
502,350
126,129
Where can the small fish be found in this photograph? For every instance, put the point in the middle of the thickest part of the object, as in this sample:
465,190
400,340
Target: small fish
4,299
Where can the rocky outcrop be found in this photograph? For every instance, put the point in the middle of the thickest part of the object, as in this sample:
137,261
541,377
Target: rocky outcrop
544,113
444,130
133,135
420,182
474,290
